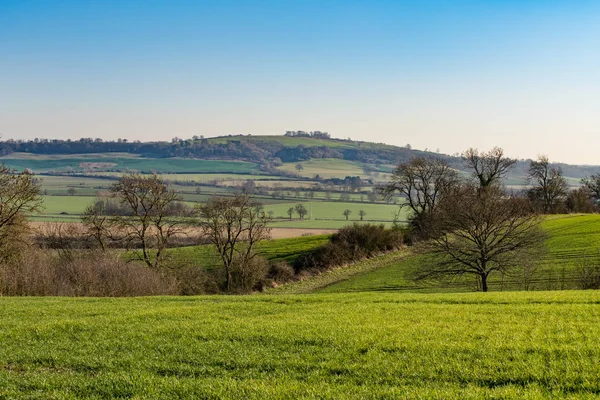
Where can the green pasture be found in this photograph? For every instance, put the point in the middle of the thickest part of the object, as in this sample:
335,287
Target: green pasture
333,210
573,243
142,164
525,345
288,250
326,168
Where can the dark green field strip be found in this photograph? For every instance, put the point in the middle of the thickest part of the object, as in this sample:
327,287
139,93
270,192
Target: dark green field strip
371,346
174,165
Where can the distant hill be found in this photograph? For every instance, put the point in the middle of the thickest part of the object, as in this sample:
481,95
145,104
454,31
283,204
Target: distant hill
269,152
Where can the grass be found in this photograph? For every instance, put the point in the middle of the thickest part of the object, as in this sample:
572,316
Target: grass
468,346
333,210
273,250
326,168
573,241
119,163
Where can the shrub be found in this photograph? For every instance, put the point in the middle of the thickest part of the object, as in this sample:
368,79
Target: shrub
350,244
84,273
281,272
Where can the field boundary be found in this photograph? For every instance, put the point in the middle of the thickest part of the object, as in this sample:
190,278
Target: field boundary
317,282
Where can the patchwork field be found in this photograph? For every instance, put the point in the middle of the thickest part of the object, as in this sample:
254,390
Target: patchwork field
411,346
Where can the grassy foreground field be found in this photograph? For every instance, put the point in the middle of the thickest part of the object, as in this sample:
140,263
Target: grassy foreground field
468,346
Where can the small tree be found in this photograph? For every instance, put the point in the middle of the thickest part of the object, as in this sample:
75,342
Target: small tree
299,167
71,191
301,210
549,184
234,225
489,167
361,214
424,182
153,221
97,223
290,212
19,197
347,213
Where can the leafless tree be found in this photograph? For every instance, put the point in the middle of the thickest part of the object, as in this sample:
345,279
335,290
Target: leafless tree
234,225
423,181
97,224
153,221
480,232
19,197
489,167
549,184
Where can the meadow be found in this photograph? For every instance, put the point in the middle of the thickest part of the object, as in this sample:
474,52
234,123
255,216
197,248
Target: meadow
119,162
573,243
288,250
468,346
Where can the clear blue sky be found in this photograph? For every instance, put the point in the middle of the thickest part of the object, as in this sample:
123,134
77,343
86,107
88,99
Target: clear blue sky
524,75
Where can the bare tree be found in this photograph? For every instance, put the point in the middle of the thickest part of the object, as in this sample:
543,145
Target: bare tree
347,213
423,181
97,223
153,221
301,210
488,167
19,197
480,232
234,225
549,184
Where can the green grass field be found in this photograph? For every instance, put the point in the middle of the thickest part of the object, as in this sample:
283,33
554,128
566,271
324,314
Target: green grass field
333,210
372,346
273,250
573,241
326,168
119,163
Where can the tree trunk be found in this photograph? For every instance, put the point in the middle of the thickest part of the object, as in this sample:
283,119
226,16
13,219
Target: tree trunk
484,286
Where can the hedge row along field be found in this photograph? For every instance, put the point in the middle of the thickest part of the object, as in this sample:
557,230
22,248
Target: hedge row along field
468,346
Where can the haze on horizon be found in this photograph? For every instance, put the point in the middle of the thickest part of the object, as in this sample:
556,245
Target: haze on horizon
522,75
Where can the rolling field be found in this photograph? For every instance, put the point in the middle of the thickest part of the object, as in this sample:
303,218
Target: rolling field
411,346
573,242
273,250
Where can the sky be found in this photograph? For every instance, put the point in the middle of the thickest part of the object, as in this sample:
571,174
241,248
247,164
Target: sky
447,75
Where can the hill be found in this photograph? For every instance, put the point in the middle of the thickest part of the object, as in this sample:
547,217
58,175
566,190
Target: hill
265,153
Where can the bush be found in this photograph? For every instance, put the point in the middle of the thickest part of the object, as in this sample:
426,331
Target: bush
350,244
248,275
84,273
281,272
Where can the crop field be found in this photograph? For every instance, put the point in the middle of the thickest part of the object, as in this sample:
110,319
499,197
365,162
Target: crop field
104,162
326,168
573,243
273,250
390,345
